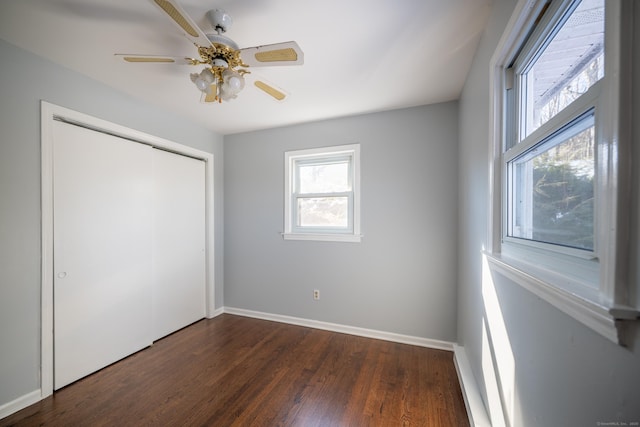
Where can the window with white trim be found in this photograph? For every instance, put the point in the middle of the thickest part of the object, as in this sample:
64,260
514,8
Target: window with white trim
559,126
322,194
550,156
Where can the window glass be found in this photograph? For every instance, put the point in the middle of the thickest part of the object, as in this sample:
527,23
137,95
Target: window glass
324,178
552,188
567,66
330,212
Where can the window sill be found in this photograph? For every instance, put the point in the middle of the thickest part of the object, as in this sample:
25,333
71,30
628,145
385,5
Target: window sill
611,321
350,238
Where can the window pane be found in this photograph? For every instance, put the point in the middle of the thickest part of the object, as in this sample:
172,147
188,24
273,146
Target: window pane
323,212
569,65
553,187
324,178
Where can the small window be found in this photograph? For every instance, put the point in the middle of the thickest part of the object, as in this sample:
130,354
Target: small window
322,194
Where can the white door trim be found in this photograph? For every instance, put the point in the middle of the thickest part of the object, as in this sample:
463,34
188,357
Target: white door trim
49,113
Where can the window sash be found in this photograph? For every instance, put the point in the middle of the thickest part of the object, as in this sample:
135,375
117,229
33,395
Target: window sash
297,195
331,160
551,23
298,228
595,292
573,112
294,160
522,215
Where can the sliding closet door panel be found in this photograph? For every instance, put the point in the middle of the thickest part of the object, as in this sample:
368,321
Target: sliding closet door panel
102,250
179,242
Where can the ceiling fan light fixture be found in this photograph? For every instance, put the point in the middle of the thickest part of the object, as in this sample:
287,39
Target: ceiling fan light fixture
226,96
203,80
232,81
231,85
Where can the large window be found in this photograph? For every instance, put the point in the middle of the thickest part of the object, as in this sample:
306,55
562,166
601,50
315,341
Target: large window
550,155
322,194
559,126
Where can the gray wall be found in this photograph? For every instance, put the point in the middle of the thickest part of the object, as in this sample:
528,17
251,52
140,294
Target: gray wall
25,80
563,373
402,277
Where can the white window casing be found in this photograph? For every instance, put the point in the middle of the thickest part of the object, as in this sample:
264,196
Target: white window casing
348,155
592,286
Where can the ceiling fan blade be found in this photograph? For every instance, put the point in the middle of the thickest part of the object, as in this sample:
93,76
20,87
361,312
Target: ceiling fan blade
180,18
157,59
287,53
268,88
210,96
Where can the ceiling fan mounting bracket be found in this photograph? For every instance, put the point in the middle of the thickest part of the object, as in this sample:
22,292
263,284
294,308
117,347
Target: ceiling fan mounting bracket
220,20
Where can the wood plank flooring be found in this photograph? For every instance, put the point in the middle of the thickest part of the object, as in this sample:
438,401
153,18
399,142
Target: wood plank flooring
237,371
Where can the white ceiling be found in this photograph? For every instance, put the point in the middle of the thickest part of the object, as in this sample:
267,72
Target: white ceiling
360,55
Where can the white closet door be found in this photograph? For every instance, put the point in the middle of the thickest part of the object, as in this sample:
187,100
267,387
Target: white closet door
102,250
179,242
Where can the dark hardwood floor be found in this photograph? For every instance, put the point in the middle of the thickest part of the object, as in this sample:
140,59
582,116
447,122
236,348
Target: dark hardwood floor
239,371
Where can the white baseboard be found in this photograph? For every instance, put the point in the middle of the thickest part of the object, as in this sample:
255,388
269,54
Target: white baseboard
351,330
217,312
20,403
472,399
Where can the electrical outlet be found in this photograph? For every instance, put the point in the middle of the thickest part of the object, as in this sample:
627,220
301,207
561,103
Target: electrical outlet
316,294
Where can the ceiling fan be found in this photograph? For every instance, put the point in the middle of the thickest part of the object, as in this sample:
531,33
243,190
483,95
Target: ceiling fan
223,76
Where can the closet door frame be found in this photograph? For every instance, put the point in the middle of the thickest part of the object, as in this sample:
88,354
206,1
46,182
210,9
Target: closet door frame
50,113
